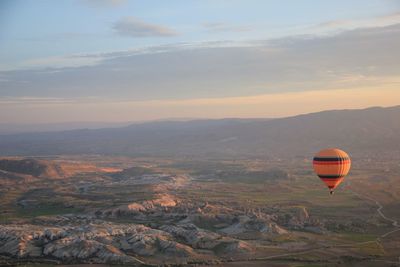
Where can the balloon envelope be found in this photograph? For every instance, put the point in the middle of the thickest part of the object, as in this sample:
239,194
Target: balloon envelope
332,165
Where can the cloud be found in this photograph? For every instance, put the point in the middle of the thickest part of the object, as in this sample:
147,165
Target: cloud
223,27
133,27
89,59
363,57
342,25
61,62
104,3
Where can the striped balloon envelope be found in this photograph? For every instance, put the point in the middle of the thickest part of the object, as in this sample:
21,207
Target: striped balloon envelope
332,165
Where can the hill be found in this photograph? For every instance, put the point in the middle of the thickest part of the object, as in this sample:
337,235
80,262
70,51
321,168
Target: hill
33,167
16,168
371,130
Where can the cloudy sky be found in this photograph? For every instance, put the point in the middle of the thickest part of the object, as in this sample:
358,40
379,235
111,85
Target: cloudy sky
116,60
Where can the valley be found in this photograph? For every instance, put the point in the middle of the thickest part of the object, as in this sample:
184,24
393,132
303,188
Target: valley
179,211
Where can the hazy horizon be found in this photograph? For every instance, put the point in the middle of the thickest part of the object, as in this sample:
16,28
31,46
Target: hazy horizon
15,127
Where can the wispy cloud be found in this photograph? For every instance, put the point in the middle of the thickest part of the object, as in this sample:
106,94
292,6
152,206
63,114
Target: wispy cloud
89,59
104,3
341,25
224,27
61,62
133,27
130,26
363,57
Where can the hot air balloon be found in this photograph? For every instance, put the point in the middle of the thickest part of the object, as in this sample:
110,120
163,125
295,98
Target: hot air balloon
332,165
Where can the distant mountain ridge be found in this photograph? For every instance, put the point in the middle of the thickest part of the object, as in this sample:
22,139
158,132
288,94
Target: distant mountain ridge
357,131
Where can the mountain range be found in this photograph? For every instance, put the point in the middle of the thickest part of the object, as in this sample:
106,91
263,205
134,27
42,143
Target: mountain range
367,131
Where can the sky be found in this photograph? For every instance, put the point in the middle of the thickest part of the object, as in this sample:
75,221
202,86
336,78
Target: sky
121,60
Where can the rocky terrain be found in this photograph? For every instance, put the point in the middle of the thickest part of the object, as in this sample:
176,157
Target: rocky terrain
173,233
158,215
78,239
162,229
